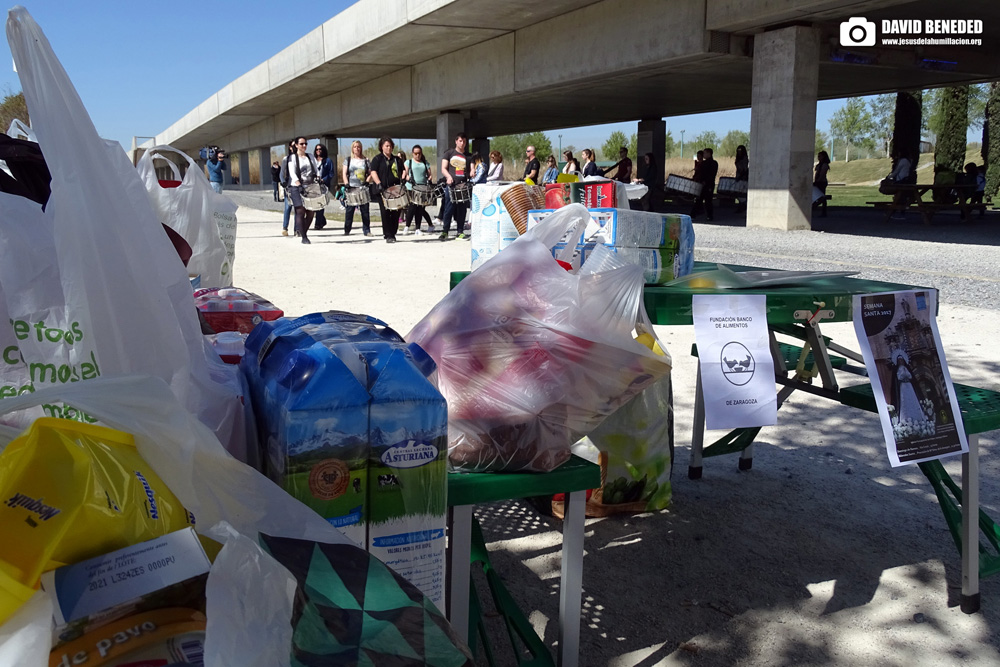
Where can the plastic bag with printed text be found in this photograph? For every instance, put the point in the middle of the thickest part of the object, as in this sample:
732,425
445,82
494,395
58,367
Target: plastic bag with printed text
531,357
92,286
249,595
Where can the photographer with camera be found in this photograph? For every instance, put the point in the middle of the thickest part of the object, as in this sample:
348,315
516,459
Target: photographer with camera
216,165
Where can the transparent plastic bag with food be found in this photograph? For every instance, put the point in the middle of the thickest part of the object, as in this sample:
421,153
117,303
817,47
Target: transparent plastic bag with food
532,357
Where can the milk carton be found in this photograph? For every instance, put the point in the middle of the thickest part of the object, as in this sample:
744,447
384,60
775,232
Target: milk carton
407,471
492,227
356,430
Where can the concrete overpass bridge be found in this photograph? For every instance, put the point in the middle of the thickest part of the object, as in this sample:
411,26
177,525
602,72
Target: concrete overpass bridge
431,68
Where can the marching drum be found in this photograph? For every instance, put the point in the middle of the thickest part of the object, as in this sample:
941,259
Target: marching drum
684,185
315,197
357,196
730,186
460,193
424,195
395,198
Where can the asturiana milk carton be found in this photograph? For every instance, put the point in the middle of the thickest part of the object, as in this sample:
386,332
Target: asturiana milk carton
356,430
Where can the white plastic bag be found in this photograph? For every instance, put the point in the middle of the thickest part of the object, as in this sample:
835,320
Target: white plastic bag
206,219
92,286
214,487
531,357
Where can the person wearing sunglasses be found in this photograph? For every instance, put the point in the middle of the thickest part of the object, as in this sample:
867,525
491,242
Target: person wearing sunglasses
419,174
532,167
302,171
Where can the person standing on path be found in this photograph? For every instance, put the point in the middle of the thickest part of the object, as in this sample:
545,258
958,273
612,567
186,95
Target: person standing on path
532,167
276,177
302,171
589,164
455,169
388,171
418,173
356,173
706,176
325,177
283,177
820,180
216,165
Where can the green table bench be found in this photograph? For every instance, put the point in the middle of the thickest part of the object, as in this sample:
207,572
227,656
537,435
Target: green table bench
980,410
465,544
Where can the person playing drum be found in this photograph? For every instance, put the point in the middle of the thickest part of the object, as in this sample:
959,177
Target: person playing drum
418,174
356,175
388,171
455,170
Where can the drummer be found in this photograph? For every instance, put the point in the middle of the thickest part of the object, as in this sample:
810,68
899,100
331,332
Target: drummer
388,171
418,173
455,170
356,172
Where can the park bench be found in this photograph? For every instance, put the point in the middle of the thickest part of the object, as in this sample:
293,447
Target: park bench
926,209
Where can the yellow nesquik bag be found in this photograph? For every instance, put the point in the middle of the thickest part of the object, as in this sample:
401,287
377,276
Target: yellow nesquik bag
71,491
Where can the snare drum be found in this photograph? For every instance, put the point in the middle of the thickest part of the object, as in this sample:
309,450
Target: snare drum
424,195
395,198
357,196
460,193
685,185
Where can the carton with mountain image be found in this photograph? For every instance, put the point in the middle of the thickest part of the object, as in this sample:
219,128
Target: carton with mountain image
356,430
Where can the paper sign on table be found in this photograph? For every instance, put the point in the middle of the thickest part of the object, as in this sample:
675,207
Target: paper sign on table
905,360
737,372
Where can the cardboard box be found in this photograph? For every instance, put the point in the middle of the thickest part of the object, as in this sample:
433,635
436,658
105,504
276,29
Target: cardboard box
666,238
167,571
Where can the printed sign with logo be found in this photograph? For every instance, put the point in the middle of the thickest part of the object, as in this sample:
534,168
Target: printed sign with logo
737,372
916,399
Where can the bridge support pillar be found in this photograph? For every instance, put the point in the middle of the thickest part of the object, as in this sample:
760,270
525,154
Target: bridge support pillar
244,158
481,145
330,141
651,138
783,128
264,160
449,123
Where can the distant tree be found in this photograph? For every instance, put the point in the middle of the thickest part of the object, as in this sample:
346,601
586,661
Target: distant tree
931,117
609,149
852,123
669,146
822,142
978,96
992,147
954,109
512,146
733,139
542,144
707,139
13,106
882,109
907,119
633,146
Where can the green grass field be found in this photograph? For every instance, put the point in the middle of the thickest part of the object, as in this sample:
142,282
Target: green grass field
854,195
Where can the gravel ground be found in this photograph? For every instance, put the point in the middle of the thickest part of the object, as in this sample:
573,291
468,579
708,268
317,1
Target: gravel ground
821,555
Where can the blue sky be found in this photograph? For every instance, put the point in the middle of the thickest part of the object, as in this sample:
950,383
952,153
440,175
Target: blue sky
140,66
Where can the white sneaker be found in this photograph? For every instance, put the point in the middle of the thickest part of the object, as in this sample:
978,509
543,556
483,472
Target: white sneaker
406,231
418,232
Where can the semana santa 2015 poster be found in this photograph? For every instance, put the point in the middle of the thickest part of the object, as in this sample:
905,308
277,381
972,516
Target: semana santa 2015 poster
737,372
905,360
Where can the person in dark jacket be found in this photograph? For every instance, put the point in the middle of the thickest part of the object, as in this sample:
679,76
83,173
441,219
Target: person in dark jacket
705,175
276,177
